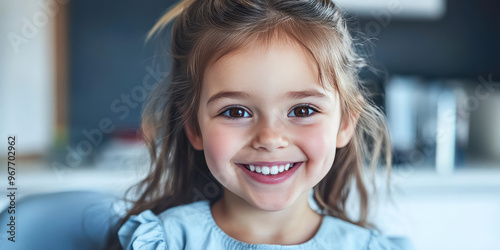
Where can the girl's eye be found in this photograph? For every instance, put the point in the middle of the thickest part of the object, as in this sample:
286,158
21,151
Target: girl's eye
235,113
302,111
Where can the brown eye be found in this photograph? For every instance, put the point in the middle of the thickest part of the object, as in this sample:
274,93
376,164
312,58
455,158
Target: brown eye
235,113
302,111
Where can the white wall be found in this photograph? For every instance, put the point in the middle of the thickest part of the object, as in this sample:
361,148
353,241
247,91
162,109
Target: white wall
27,101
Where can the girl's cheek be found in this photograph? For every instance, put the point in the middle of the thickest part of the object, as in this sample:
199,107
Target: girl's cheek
222,143
317,141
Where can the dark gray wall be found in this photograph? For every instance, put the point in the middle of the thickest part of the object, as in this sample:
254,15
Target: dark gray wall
465,43
108,58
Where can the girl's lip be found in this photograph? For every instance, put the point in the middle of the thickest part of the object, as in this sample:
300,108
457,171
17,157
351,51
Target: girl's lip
271,179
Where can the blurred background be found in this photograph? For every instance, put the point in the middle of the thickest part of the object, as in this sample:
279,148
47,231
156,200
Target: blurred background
74,76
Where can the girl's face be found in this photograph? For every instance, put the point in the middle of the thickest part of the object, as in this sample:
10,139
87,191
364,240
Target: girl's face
264,110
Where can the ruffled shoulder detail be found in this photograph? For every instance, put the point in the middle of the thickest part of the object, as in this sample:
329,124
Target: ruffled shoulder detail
144,231
379,242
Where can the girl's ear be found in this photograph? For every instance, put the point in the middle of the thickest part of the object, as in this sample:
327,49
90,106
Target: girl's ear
193,137
346,131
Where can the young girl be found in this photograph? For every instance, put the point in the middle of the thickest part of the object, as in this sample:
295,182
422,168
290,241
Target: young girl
259,135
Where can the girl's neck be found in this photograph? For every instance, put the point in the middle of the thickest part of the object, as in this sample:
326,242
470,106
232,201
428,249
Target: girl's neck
294,225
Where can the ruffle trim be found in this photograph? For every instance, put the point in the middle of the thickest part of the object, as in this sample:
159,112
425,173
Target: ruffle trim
142,232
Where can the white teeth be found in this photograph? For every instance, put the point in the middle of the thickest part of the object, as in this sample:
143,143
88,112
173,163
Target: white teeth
274,170
265,170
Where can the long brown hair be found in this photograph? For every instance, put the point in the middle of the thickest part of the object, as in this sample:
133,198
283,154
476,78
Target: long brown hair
205,30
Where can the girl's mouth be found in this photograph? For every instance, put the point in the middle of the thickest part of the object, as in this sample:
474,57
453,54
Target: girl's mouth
270,173
269,170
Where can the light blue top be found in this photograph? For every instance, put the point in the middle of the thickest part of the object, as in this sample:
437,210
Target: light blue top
193,227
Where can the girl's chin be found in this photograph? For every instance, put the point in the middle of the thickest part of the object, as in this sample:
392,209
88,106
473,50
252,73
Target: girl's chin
271,204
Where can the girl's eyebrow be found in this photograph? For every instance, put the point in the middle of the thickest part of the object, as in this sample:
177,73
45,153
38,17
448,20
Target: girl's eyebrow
305,93
230,94
244,95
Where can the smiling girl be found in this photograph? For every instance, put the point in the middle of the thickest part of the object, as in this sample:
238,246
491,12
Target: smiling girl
263,119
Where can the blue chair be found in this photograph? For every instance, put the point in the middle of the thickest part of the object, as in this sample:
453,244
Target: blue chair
80,220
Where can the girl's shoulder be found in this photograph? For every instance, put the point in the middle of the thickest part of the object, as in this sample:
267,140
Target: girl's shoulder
336,233
192,227
169,228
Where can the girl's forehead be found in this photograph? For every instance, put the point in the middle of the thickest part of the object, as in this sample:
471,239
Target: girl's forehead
265,50
260,57
265,70
255,44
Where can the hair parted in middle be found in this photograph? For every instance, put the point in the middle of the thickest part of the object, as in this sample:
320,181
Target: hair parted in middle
204,31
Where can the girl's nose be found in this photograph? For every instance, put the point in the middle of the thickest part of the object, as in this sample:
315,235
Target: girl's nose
270,140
